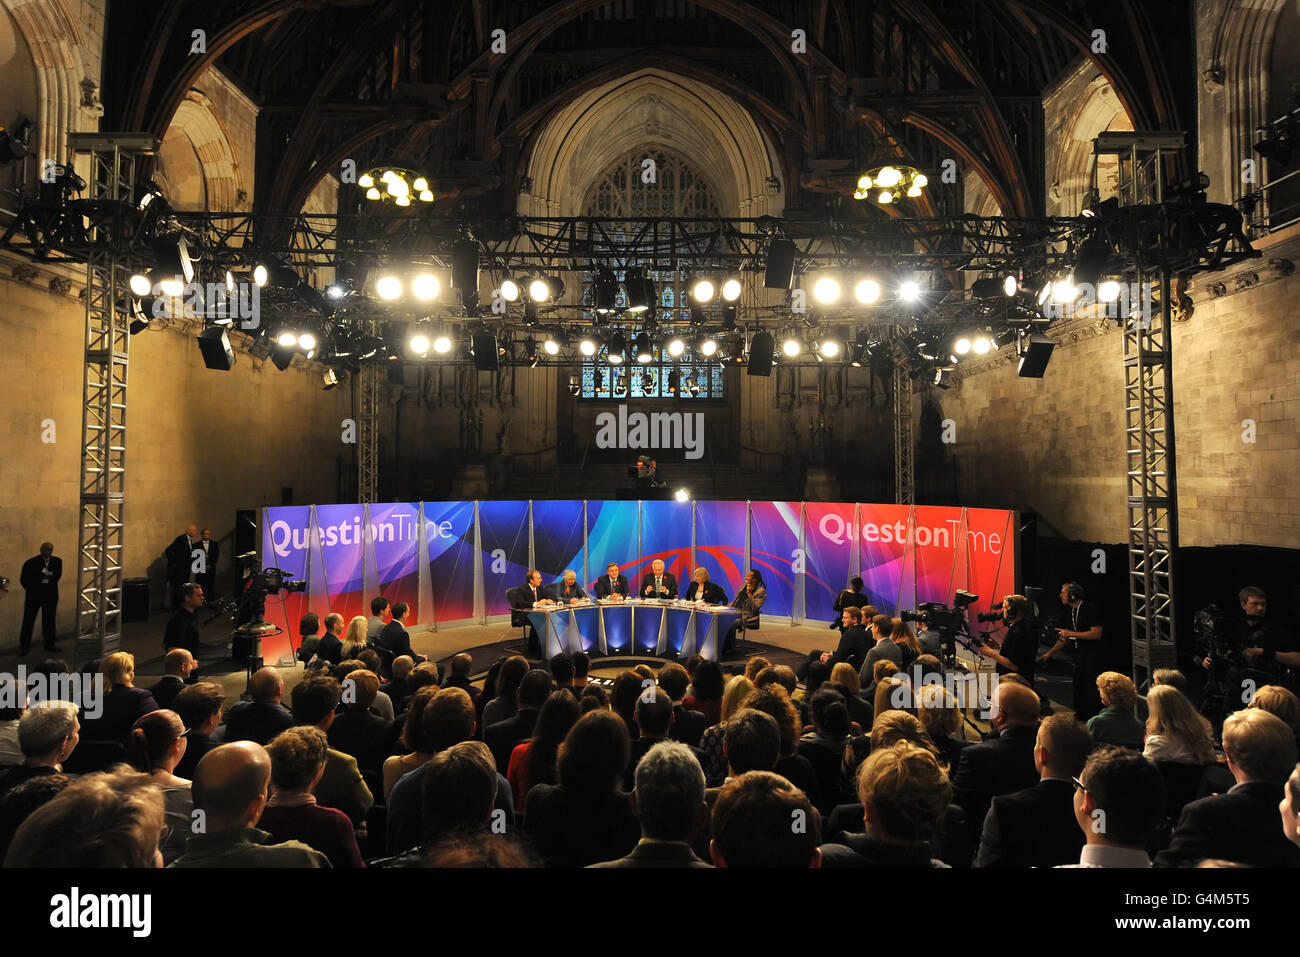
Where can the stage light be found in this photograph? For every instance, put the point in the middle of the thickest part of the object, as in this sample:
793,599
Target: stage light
962,346
509,290
530,351
398,187
888,176
539,290
913,191
487,355
260,275
682,495
640,289
287,339
175,266
732,288
1010,285
1035,351
1090,265
761,354
792,347
617,348
676,346
215,346
1065,290
365,181
420,185
307,342
605,290
641,348
982,345
693,387
402,201
673,384
829,349
1044,293
336,290
728,318
230,282
1108,291
857,354
826,289
419,343
867,291
330,379
910,290
425,286
574,387
707,347
388,287
588,346
140,285
551,347
779,271
373,193
442,344
885,197
281,357
986,288
702,290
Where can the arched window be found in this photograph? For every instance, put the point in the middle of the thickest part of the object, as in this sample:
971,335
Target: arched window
648,183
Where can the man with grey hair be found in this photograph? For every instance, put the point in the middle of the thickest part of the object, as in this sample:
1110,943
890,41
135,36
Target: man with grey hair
47,733
669,800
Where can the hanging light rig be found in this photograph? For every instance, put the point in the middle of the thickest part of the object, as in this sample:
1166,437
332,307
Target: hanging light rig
394,185
887,184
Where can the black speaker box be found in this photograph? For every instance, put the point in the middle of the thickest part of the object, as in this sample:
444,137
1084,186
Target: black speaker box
215,346
761,350
1034,356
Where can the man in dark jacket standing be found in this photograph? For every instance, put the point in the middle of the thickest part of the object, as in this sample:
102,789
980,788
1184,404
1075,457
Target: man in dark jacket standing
40,577
180,562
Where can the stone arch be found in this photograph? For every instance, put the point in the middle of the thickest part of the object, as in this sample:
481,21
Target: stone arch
1073,169
54,41
198,143
652,108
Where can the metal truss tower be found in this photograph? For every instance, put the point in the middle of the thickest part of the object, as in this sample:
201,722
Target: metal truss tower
904,444
368,397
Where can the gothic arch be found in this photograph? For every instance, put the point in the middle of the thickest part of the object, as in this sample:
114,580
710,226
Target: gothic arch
54,40
1072,168
197,124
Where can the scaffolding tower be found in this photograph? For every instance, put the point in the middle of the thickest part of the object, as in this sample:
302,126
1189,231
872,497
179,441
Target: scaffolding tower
904,470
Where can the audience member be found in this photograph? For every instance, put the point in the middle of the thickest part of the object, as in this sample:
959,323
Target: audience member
341,786
155,747
383,705
177,665
264,717
1118,802
668,800
355,639
414,738
752,742
1036,827
825,745
883,649
395,638
481,849
1116,723
706,692
199,708
653,717
688,726
1169,676
596,698
458,670
762,820
1174,729
10,715
47,733
581,670
860,711
504,704
773,700
459,791
502,737
292,813
123,703
533,761
942,719
738,689
1290,807
561,666
308,637
19,803
1004,764
230,788
360,732
623,696
380,615
399,688
754,665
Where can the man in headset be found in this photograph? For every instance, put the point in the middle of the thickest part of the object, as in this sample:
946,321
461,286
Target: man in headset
1081,630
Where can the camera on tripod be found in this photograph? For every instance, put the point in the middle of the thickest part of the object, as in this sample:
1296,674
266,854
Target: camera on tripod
984,617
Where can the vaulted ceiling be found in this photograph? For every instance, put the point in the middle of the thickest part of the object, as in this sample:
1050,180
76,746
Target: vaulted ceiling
389,79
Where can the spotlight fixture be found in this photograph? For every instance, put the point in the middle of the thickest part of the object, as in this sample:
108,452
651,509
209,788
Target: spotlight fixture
857,354
425,286
867,291
307,342
910,290
703,290
175,266
641,347
987,288
419,344
828,349
1065,290
706,346
261,275
550,346
640,289
682,495
676,346
1091,263
140,285
539,290
693,387
1108,291
826,289
483,347
1010,286
617,349
388,287
728,318
605,290
464,271
330,379
287,340
962,346
509,290
214,343
530,352
588,346
336,290
982,345
1035,351
732,288
761,354
791,347
673,384
281,357
442,344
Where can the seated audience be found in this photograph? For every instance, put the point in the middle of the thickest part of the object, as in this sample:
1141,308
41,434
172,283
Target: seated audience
1036,827
177,665
292,813
360,732
688,726
481,849
706,692
1169,676
155,747
1242,825
1116,723
533,762
264,717
860,711
18,804
561,667
596,698
773,700
110,820
418,747
395,639
942,719
884,648
581,670
653,718
331,643
502,737
825,745
1174,729
459,792
669,802
342,786
622,698
904,793
199,708
504,704
308,637
1281,702
1119,798
586,818
1290,808
1004,764
10,753
355,638
47,733
123,703
754,665
383,705
399,688
715,762
380,615
854,645
458,669
230,788
761,820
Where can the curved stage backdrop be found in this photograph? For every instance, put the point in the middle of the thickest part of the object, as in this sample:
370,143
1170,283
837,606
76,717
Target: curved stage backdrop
452,562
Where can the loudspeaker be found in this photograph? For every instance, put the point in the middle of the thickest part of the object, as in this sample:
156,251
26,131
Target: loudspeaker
1035,353
761,350
245,530
780,264
215,346
484,345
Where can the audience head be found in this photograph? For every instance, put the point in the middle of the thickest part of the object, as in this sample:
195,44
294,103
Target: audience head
460,665
230,785
266,685
623,697
1169,676
48,732
904,793
938,712
845,674
894,726
449,718
562,669
415,734
459,790
855,583
19,803
753,824
1062,746
400,611
1259,746
534,688
118,669
507,687
110,819
179,663
830,714
669,793
1117,691
646,672
774,701
882,669
782,675
928,665
356,636
819,672
1253,601
334,623
157,740
1290,807
754,665
595,754
370,658
674,680
581,665
707,681
423,675
360,688
752,742
309,624
199,706
738,689
378,606
690,663
403,665
1122,798
594,697
297,758
654,713
479,848
1171,713
1015,705
558,716
315,700
890,690
1279,701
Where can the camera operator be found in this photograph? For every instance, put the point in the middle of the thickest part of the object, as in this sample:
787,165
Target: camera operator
1084,638
1019,645
647,474
1263,649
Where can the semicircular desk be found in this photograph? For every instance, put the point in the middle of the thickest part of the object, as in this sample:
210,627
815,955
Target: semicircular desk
632,627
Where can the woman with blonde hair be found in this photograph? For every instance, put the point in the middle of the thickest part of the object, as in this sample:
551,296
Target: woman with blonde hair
1175,731
902,635
123,703
355,638
733,699
1116,723
941,717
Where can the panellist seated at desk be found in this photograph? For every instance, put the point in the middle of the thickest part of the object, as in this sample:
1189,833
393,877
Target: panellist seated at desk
567,590
704,590
657,583
611,584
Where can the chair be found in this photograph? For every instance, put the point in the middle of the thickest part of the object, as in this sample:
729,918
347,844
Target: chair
386,657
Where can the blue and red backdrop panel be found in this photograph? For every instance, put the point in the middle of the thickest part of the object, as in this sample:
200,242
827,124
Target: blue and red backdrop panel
453,561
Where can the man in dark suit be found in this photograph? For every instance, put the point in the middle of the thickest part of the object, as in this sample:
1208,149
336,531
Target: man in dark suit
183,628
199,708
1006,763
458,669
702,589
177,665
687,726
1036,827
40,577
360,732
567,589
654,717
669,801
264,717
331,643
211,553
502,737
180,562
611,583
341,785
855,644
1242,825
395,638
522,599
657,583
